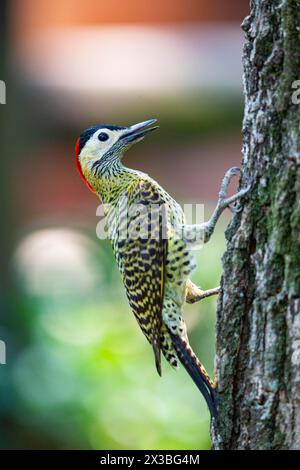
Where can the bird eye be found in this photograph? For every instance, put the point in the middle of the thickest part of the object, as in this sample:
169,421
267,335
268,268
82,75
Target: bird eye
102,136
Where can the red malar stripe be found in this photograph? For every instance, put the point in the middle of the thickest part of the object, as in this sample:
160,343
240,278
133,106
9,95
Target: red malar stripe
78,166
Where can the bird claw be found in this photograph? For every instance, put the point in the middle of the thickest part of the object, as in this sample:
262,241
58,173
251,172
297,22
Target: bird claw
227,179
228,202
235,208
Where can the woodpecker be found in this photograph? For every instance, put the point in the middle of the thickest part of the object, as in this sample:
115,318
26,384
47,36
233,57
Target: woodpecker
155,266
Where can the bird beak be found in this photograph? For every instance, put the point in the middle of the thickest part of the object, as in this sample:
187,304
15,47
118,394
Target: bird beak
136,132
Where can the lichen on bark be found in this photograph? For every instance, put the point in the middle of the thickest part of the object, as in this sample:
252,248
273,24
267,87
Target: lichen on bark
258,318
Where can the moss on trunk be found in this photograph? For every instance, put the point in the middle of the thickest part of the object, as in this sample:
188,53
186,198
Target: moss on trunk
258,320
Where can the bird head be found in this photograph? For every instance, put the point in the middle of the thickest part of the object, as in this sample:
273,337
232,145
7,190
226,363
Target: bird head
99,149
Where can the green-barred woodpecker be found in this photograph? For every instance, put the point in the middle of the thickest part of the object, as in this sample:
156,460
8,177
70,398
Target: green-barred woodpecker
155,265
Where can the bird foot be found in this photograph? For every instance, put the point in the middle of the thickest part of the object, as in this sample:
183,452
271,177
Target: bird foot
197,295
231,202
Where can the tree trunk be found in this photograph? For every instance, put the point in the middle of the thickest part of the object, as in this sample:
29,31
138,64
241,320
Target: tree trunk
258,320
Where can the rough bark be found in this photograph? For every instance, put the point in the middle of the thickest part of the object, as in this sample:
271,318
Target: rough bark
258,320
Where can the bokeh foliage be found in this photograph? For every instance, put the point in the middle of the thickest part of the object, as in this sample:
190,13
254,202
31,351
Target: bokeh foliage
81,374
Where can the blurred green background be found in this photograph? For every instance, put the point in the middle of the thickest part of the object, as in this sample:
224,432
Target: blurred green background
79,373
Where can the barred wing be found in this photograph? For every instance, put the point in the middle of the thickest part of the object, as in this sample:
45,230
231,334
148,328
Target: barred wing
144,257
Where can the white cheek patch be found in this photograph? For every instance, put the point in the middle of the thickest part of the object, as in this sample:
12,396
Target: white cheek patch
98,148
94,148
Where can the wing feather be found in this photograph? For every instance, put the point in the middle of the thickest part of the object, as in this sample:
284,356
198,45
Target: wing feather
144,261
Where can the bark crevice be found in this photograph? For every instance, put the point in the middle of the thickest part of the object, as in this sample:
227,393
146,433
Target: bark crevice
258,315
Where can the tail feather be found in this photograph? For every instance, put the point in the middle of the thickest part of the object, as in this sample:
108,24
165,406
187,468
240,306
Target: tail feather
196,372
156,350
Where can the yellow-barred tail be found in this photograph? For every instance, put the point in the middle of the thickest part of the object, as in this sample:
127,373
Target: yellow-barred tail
197,372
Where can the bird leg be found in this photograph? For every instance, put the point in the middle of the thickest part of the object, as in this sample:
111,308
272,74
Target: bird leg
224,202
195,294
200,233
